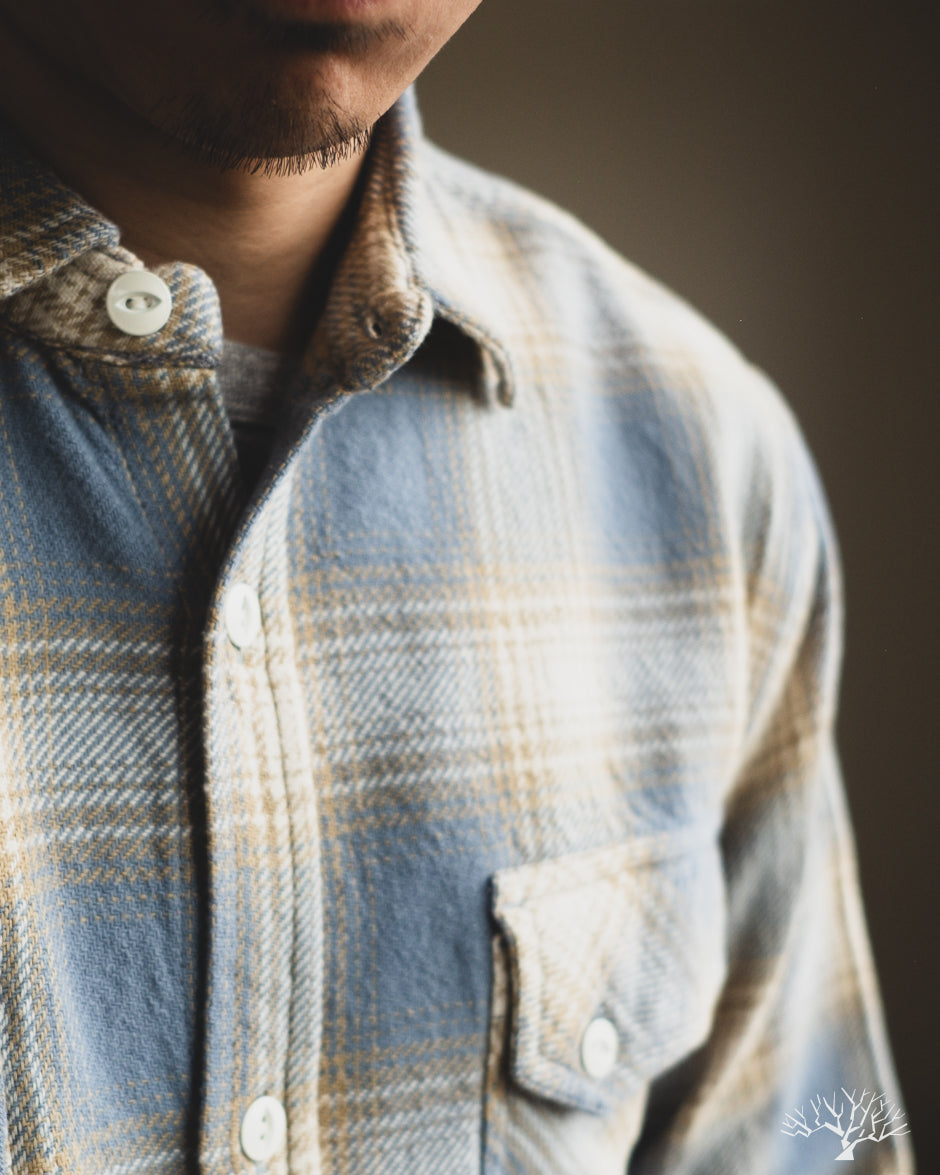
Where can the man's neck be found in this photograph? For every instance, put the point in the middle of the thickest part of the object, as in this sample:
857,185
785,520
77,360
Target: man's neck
262,239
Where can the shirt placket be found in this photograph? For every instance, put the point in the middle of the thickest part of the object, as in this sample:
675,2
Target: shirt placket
264,991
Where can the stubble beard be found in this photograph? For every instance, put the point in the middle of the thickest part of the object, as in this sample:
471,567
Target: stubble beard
269,124
261,132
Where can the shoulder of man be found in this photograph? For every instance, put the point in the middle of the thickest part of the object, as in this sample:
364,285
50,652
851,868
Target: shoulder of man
592,334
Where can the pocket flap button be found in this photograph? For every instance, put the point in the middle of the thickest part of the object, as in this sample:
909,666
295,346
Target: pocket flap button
599,1048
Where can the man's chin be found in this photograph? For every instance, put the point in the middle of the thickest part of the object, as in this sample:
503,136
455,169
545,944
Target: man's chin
263,136
248,159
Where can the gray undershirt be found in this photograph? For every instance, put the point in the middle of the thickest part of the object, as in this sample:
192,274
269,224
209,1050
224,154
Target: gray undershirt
253,382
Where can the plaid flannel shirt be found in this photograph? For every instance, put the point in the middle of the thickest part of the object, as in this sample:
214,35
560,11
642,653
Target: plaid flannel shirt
514,840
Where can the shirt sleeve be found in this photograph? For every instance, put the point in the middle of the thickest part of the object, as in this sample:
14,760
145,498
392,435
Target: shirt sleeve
797,1065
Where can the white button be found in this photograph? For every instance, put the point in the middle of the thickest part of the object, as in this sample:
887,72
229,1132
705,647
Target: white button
242,615
264,1129
139,302
599,1048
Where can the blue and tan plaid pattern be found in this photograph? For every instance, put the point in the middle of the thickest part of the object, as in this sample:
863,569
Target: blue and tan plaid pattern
537,729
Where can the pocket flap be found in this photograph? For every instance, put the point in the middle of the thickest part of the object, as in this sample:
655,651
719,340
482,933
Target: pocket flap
632,935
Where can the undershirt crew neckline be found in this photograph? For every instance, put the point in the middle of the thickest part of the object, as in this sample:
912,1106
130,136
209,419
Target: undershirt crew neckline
253,382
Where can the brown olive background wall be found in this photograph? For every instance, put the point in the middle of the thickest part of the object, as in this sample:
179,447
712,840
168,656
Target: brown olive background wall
776,162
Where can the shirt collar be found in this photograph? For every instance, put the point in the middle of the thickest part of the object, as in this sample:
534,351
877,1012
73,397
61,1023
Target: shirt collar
402,267
414,230
44,225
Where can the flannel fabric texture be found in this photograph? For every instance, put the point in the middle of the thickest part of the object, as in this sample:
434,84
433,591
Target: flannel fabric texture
536,732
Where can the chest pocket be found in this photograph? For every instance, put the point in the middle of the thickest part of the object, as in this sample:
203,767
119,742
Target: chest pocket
615,961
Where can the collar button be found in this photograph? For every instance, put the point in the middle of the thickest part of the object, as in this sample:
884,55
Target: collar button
139,302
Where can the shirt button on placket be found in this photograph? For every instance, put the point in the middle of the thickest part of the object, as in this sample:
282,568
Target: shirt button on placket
263,1130
242,615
